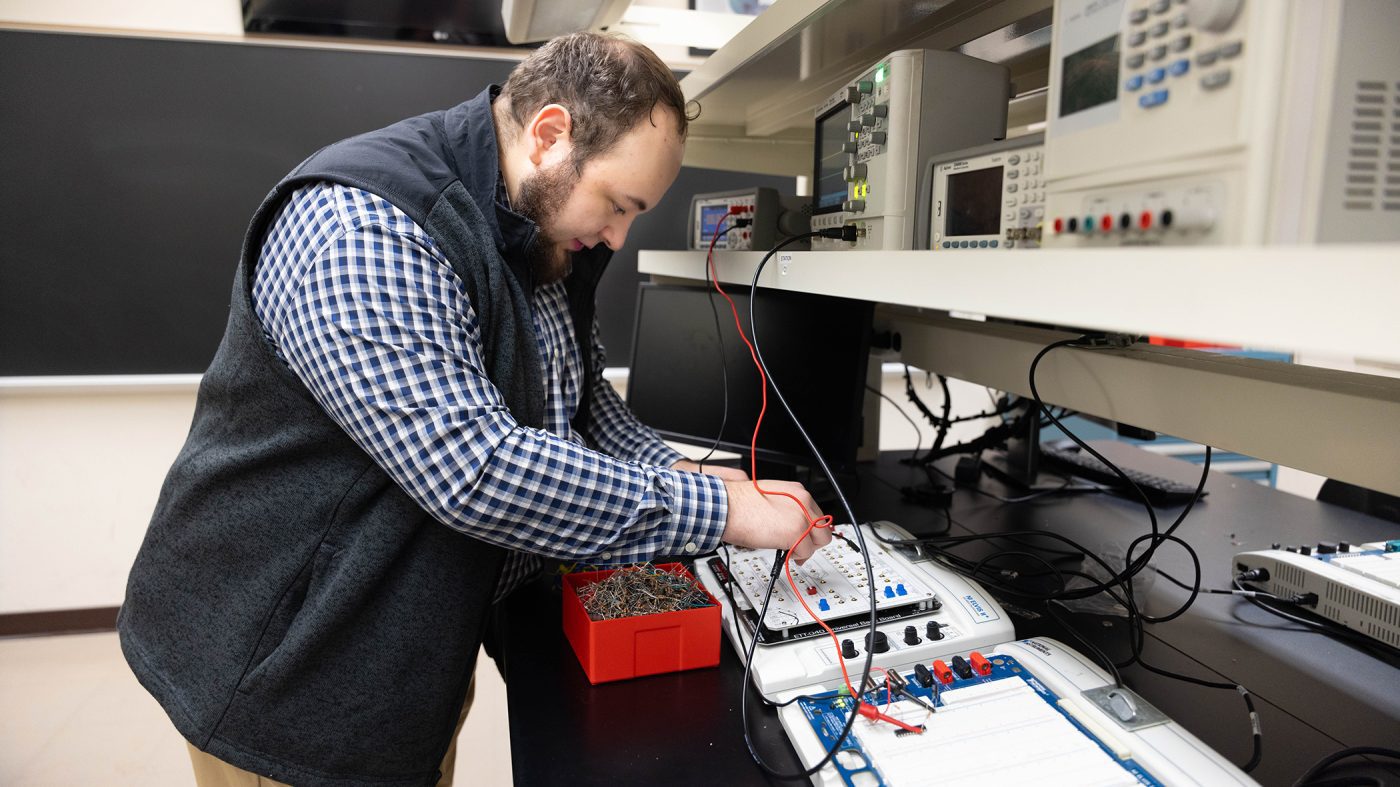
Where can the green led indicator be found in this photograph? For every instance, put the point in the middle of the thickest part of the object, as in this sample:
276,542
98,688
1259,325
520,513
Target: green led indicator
880,74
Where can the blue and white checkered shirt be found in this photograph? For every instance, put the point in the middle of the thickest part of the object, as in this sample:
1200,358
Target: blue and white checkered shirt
363,307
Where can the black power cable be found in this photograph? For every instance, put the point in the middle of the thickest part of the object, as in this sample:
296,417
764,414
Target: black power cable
846,233
1309,777
719,339
1134,564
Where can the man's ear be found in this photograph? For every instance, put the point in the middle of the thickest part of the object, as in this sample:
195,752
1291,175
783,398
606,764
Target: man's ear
548,136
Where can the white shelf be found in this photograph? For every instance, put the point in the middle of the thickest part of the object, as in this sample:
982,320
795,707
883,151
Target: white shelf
758,92
99,384
1336,300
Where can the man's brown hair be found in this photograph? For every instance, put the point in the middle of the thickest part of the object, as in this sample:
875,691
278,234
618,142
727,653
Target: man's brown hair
608,83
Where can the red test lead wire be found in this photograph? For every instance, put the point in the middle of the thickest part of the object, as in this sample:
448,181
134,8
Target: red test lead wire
873,713
824,521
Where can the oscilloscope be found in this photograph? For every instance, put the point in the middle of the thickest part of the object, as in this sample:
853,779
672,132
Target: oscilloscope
874,135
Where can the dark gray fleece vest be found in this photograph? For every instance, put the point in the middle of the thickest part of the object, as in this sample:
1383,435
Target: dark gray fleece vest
293,610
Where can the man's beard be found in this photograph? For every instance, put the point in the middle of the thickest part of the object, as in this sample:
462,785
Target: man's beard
542,195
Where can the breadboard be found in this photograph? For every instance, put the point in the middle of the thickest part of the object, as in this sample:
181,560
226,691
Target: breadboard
1032,714
833,583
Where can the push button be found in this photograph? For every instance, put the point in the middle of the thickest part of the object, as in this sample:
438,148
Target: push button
1159,52
1154,99
1180,67
1232,49
1134,83
1216,79
1181,44
1156,75
1136,60
1137,38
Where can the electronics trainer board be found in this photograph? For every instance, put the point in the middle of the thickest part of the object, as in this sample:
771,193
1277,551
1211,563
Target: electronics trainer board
937,613
1028,712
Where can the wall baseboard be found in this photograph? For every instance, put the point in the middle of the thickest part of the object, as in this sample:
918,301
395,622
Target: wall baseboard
63,621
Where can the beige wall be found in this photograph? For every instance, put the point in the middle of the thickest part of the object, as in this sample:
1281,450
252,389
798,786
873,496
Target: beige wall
81,462
193,17
80,468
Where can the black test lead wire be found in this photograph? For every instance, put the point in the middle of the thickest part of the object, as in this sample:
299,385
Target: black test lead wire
864,552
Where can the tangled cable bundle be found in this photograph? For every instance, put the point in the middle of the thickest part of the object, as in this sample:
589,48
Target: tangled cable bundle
641,590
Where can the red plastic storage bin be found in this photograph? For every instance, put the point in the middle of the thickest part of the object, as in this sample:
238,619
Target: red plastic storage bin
645,645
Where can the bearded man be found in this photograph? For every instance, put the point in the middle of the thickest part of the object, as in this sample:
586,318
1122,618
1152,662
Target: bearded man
406,413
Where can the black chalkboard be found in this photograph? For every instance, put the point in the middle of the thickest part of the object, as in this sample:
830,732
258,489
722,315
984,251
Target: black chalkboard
130,168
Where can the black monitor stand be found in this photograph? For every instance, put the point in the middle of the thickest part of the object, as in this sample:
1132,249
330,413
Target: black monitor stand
1019,464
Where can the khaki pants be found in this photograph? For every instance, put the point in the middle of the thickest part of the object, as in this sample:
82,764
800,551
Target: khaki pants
210,771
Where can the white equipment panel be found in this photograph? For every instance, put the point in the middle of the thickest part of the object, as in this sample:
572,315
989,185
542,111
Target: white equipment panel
989,197
1222,122
1355,586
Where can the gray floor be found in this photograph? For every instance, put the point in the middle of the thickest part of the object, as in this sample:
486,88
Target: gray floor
71,713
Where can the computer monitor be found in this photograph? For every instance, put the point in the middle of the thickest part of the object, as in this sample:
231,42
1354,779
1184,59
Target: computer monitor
816,348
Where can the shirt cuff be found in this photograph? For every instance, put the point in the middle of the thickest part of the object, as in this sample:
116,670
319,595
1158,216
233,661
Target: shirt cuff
699,507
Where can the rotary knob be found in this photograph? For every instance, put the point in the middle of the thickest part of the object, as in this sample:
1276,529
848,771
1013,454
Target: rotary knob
880,644
848,649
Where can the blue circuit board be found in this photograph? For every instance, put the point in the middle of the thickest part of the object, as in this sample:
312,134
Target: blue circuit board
827,714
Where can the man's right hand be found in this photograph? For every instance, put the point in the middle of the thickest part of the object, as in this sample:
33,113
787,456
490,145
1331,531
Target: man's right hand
771,521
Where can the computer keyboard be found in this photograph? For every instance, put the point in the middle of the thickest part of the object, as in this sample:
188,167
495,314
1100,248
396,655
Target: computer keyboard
1159,491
